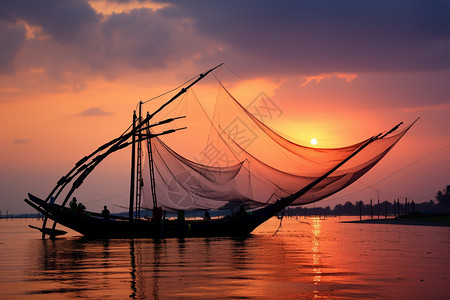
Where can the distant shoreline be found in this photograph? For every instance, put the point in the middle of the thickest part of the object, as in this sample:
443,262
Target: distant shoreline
442,220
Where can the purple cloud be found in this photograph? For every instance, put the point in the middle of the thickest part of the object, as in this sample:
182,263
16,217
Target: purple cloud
11,40
94,111
264,39
326,36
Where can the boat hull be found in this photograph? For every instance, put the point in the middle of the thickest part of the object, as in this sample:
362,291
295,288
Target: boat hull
93,225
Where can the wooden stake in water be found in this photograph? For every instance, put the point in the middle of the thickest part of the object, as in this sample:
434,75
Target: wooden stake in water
371,212
406,206
360,215
397,207
378,209
385,213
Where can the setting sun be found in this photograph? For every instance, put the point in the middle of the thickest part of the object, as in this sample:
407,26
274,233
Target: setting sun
313,141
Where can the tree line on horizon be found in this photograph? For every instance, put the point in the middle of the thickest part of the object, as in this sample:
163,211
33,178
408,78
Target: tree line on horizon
440,204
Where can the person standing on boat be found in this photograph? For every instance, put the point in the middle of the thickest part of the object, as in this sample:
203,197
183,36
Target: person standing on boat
73,204
105,213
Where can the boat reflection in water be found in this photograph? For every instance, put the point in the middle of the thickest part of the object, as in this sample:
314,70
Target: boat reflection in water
196,267
313,258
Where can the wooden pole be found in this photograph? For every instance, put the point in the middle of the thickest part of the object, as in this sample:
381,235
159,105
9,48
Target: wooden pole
371,210
133,162
395,207
378,209
385,212
360,214
139,168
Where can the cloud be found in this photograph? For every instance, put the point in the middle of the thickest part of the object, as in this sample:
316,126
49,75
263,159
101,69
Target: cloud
11,40
67,21
94,111
21,141
326,36
74,41
71,40
425,108
320,77
147,40
400,91
108,7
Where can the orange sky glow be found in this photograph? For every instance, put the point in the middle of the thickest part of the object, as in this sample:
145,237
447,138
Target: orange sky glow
70,84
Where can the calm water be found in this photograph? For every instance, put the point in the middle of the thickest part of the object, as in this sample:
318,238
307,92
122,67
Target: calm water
307,259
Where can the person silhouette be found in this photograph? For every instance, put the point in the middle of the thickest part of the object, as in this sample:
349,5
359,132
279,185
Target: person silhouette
73,204
105,213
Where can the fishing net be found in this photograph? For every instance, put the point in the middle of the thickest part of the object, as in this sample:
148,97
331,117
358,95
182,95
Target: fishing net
229,157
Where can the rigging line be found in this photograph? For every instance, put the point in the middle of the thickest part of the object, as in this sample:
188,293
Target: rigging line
124,207
213,128
371,186
293,121
423,157
398,196
126,130
177,107
163,94
240,79
266,128
216,114
107,197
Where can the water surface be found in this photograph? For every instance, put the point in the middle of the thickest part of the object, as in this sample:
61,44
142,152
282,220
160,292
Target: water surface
307,258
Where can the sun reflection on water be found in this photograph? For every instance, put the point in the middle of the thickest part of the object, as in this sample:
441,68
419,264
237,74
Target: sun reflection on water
316,261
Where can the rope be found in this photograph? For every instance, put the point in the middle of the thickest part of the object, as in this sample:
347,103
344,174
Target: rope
401,169
256,91
242,80
412,163
163,94
281,220
107,197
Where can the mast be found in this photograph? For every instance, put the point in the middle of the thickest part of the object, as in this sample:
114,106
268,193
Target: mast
133,161
151,166
140,182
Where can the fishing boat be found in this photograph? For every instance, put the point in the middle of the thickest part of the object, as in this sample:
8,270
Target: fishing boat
243,167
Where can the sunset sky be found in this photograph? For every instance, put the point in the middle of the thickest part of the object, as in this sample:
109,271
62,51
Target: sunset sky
72,72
